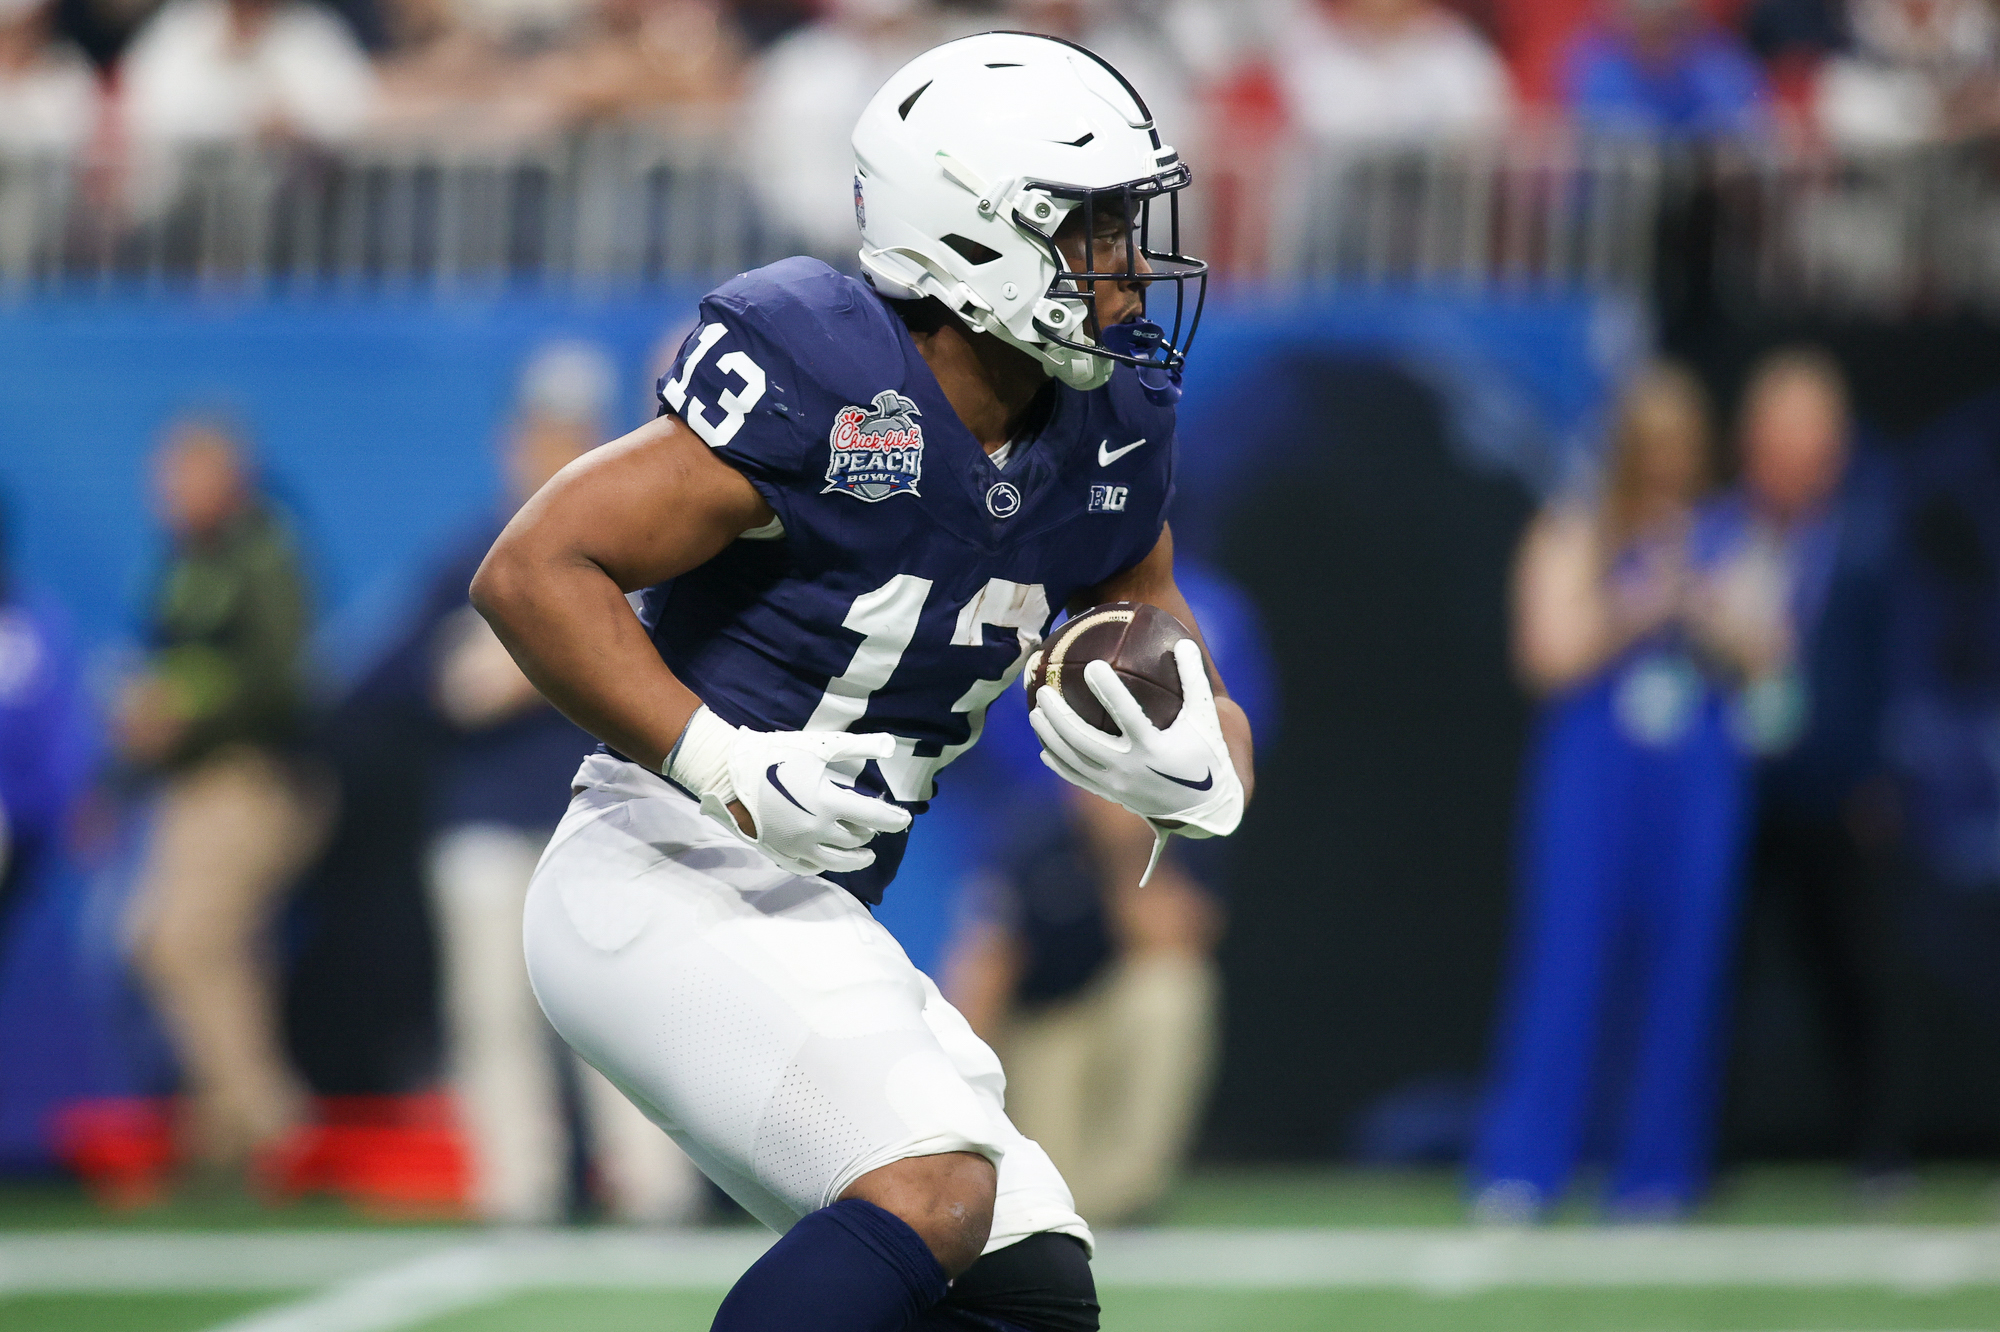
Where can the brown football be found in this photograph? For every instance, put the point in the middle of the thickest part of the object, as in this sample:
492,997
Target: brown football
1137,639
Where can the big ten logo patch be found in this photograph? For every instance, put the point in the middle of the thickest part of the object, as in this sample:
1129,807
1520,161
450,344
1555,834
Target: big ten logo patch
1108,499
876,451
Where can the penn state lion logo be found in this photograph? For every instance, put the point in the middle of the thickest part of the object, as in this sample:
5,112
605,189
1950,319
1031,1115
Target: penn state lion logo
876,451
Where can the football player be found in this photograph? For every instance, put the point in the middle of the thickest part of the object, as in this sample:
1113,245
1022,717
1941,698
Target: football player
857,514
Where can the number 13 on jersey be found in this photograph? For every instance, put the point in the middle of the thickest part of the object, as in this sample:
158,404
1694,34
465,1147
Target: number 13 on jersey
887,620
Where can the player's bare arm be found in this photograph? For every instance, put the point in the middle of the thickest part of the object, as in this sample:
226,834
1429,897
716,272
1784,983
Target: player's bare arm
1151,580
640,510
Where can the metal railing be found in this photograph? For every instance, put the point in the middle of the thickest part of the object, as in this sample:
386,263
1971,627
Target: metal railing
1539,214
1876,233
611,207
643,203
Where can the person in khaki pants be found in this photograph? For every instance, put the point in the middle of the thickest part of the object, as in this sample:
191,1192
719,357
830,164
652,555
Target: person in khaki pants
500,782
1100,994
1100,997
214,718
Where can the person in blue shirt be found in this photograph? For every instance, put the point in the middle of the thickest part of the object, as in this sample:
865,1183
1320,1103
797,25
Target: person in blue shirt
46,749
1825,904
1640,619
1660,68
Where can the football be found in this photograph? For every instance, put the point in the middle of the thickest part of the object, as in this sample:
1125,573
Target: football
1137,639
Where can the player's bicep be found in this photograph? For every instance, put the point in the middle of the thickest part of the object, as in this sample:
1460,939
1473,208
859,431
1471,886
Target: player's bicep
1151,580
644,508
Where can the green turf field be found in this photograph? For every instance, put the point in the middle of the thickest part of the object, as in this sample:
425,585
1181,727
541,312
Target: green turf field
1350,1311
1787,1250
1636,1310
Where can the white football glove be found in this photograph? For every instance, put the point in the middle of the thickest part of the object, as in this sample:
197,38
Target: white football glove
807,819
1181,775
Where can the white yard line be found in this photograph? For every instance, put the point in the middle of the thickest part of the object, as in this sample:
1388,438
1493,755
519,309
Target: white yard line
51,1261
1904,1258
403,1296
378,1282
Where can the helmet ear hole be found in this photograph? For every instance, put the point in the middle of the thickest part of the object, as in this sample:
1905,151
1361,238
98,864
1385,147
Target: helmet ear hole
971,250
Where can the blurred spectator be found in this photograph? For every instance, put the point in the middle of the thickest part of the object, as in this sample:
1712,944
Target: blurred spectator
44,734
1101,996
1393,71
1920,70
804,95
639,56
216,717
226,71
1637,619
1660,67
1824,817
512,71
499,788
447,73
48,93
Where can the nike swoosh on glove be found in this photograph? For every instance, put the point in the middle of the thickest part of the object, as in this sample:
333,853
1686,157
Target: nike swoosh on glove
1178,775
808,819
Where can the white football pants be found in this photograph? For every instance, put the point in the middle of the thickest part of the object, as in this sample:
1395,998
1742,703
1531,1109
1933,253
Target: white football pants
503,1058
764,1020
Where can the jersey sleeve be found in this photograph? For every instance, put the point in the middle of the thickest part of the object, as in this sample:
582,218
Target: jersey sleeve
729,385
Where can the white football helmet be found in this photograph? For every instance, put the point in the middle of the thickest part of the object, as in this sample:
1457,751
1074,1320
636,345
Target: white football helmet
972,155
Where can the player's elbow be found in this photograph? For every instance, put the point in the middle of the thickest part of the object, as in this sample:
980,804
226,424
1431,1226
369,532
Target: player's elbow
500,585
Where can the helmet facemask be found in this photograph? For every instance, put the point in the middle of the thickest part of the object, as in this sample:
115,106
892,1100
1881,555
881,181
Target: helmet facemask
1071,318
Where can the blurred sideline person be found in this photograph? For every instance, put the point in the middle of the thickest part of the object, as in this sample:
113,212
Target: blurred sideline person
1825,814
1101,996
45,745
216,716
1638,621
499,788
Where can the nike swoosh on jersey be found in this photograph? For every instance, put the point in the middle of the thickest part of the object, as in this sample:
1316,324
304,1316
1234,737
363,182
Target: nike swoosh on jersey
1207,779
771,776
1105,457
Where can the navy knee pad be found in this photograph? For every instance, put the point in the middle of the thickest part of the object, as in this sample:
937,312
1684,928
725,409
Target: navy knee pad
1042,1284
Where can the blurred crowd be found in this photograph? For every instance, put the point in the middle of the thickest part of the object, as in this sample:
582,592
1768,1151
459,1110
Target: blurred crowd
116,81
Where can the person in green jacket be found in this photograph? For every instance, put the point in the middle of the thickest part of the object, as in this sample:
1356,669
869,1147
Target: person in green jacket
215,717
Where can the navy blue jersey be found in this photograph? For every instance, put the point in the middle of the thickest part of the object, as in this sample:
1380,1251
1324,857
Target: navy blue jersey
911,576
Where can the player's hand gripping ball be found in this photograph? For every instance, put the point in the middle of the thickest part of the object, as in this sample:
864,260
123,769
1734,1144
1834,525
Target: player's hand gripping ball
1120,698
